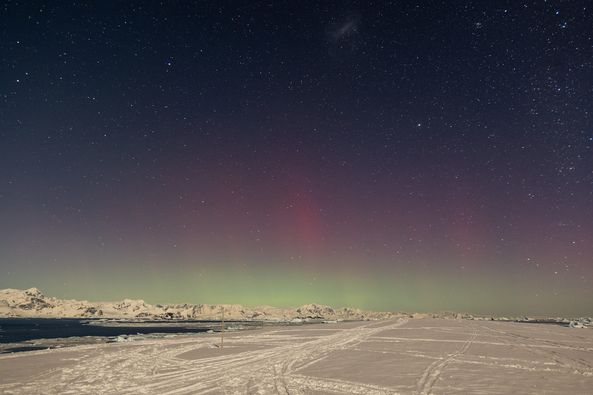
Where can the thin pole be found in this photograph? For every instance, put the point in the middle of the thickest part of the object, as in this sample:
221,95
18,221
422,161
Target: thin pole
222,329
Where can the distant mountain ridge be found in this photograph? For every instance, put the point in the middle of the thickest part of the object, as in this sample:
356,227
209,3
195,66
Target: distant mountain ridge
33,303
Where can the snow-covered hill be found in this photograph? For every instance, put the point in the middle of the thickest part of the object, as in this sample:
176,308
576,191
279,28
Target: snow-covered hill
33,303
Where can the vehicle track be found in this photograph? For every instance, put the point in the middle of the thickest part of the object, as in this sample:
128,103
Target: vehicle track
275,368
432,373
570,364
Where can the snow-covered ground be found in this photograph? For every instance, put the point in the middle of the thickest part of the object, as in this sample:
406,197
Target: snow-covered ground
416,356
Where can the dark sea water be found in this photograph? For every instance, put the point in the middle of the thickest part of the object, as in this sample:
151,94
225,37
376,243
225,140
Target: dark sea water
23,334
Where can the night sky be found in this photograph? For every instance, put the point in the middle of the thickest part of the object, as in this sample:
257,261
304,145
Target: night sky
411,155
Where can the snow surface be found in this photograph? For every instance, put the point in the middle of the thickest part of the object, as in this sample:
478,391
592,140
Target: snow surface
415,356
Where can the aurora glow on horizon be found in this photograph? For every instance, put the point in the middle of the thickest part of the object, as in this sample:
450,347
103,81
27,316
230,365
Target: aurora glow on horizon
389,156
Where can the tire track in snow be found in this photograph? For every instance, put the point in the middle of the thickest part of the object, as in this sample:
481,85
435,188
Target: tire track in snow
275,368
432,373
573,365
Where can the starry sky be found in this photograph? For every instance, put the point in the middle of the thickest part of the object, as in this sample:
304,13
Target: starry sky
412,155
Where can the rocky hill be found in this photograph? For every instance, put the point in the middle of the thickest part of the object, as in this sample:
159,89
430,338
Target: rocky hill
33,303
